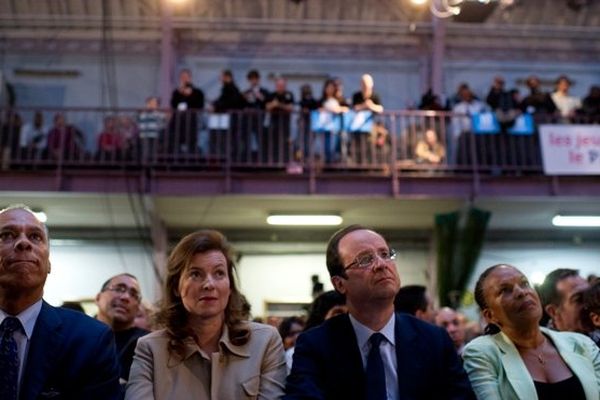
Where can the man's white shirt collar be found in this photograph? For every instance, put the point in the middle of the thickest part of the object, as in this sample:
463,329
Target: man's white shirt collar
27,317
363,333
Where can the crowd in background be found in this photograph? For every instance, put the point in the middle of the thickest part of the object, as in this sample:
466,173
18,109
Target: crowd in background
262,126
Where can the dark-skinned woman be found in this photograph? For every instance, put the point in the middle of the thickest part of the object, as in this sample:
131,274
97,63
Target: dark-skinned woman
518,359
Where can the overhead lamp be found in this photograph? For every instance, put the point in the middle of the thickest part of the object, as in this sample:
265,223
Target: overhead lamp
576,220
450,8
304,219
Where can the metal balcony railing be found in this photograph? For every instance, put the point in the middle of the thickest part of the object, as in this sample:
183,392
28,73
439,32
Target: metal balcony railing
416,142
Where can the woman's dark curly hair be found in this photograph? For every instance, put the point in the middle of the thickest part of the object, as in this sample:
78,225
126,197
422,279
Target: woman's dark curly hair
172,314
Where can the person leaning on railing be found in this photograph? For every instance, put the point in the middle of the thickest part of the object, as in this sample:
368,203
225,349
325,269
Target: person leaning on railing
429,150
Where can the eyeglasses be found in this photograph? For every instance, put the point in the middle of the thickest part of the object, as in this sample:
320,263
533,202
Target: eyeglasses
122,289
367,260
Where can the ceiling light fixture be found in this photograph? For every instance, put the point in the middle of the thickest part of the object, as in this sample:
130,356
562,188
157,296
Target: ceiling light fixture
306,220
450,8
576,220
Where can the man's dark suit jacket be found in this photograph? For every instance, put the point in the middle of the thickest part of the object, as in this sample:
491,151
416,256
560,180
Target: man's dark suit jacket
71,356
328,364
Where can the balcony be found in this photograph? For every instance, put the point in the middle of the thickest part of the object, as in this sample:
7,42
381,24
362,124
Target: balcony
248,152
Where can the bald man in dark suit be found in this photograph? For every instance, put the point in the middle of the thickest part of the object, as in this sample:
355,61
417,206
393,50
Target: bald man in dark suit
45,352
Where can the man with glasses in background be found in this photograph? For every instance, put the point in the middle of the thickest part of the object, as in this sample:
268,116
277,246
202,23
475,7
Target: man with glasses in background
372,352
118,303
45,352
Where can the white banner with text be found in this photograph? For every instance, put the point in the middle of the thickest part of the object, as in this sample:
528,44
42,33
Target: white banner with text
570,149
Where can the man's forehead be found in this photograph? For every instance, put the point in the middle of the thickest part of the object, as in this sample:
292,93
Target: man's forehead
571,285
126,280
363,236
19,216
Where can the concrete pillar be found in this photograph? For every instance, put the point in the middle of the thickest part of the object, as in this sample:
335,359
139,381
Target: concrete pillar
167,53
438,54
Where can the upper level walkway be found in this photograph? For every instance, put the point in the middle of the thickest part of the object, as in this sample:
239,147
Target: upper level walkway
396,154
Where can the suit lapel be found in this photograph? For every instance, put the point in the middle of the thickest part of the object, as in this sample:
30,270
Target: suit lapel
43,350
348,360
516,371
407,356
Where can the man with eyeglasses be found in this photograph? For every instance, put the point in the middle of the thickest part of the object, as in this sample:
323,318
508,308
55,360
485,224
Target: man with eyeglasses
45,351
372,352
118,303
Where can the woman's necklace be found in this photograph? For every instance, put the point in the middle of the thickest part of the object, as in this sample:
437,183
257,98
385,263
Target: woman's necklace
538,352
540,358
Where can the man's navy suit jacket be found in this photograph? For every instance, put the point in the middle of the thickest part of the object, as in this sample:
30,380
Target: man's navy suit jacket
328,365
71,356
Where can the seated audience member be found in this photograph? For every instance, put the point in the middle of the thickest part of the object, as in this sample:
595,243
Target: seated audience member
110,142
64,141
561,296
46,352
33,136
206,350
537,102
372,352
289,329
186,102
473,329
274,321
452,322
118,303
73,305
567,105
414,300
151,124
325,306
518,359
429,150
591,311
364,100
280,104
144,319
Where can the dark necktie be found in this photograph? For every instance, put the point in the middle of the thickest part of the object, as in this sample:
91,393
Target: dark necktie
376,389
9,359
